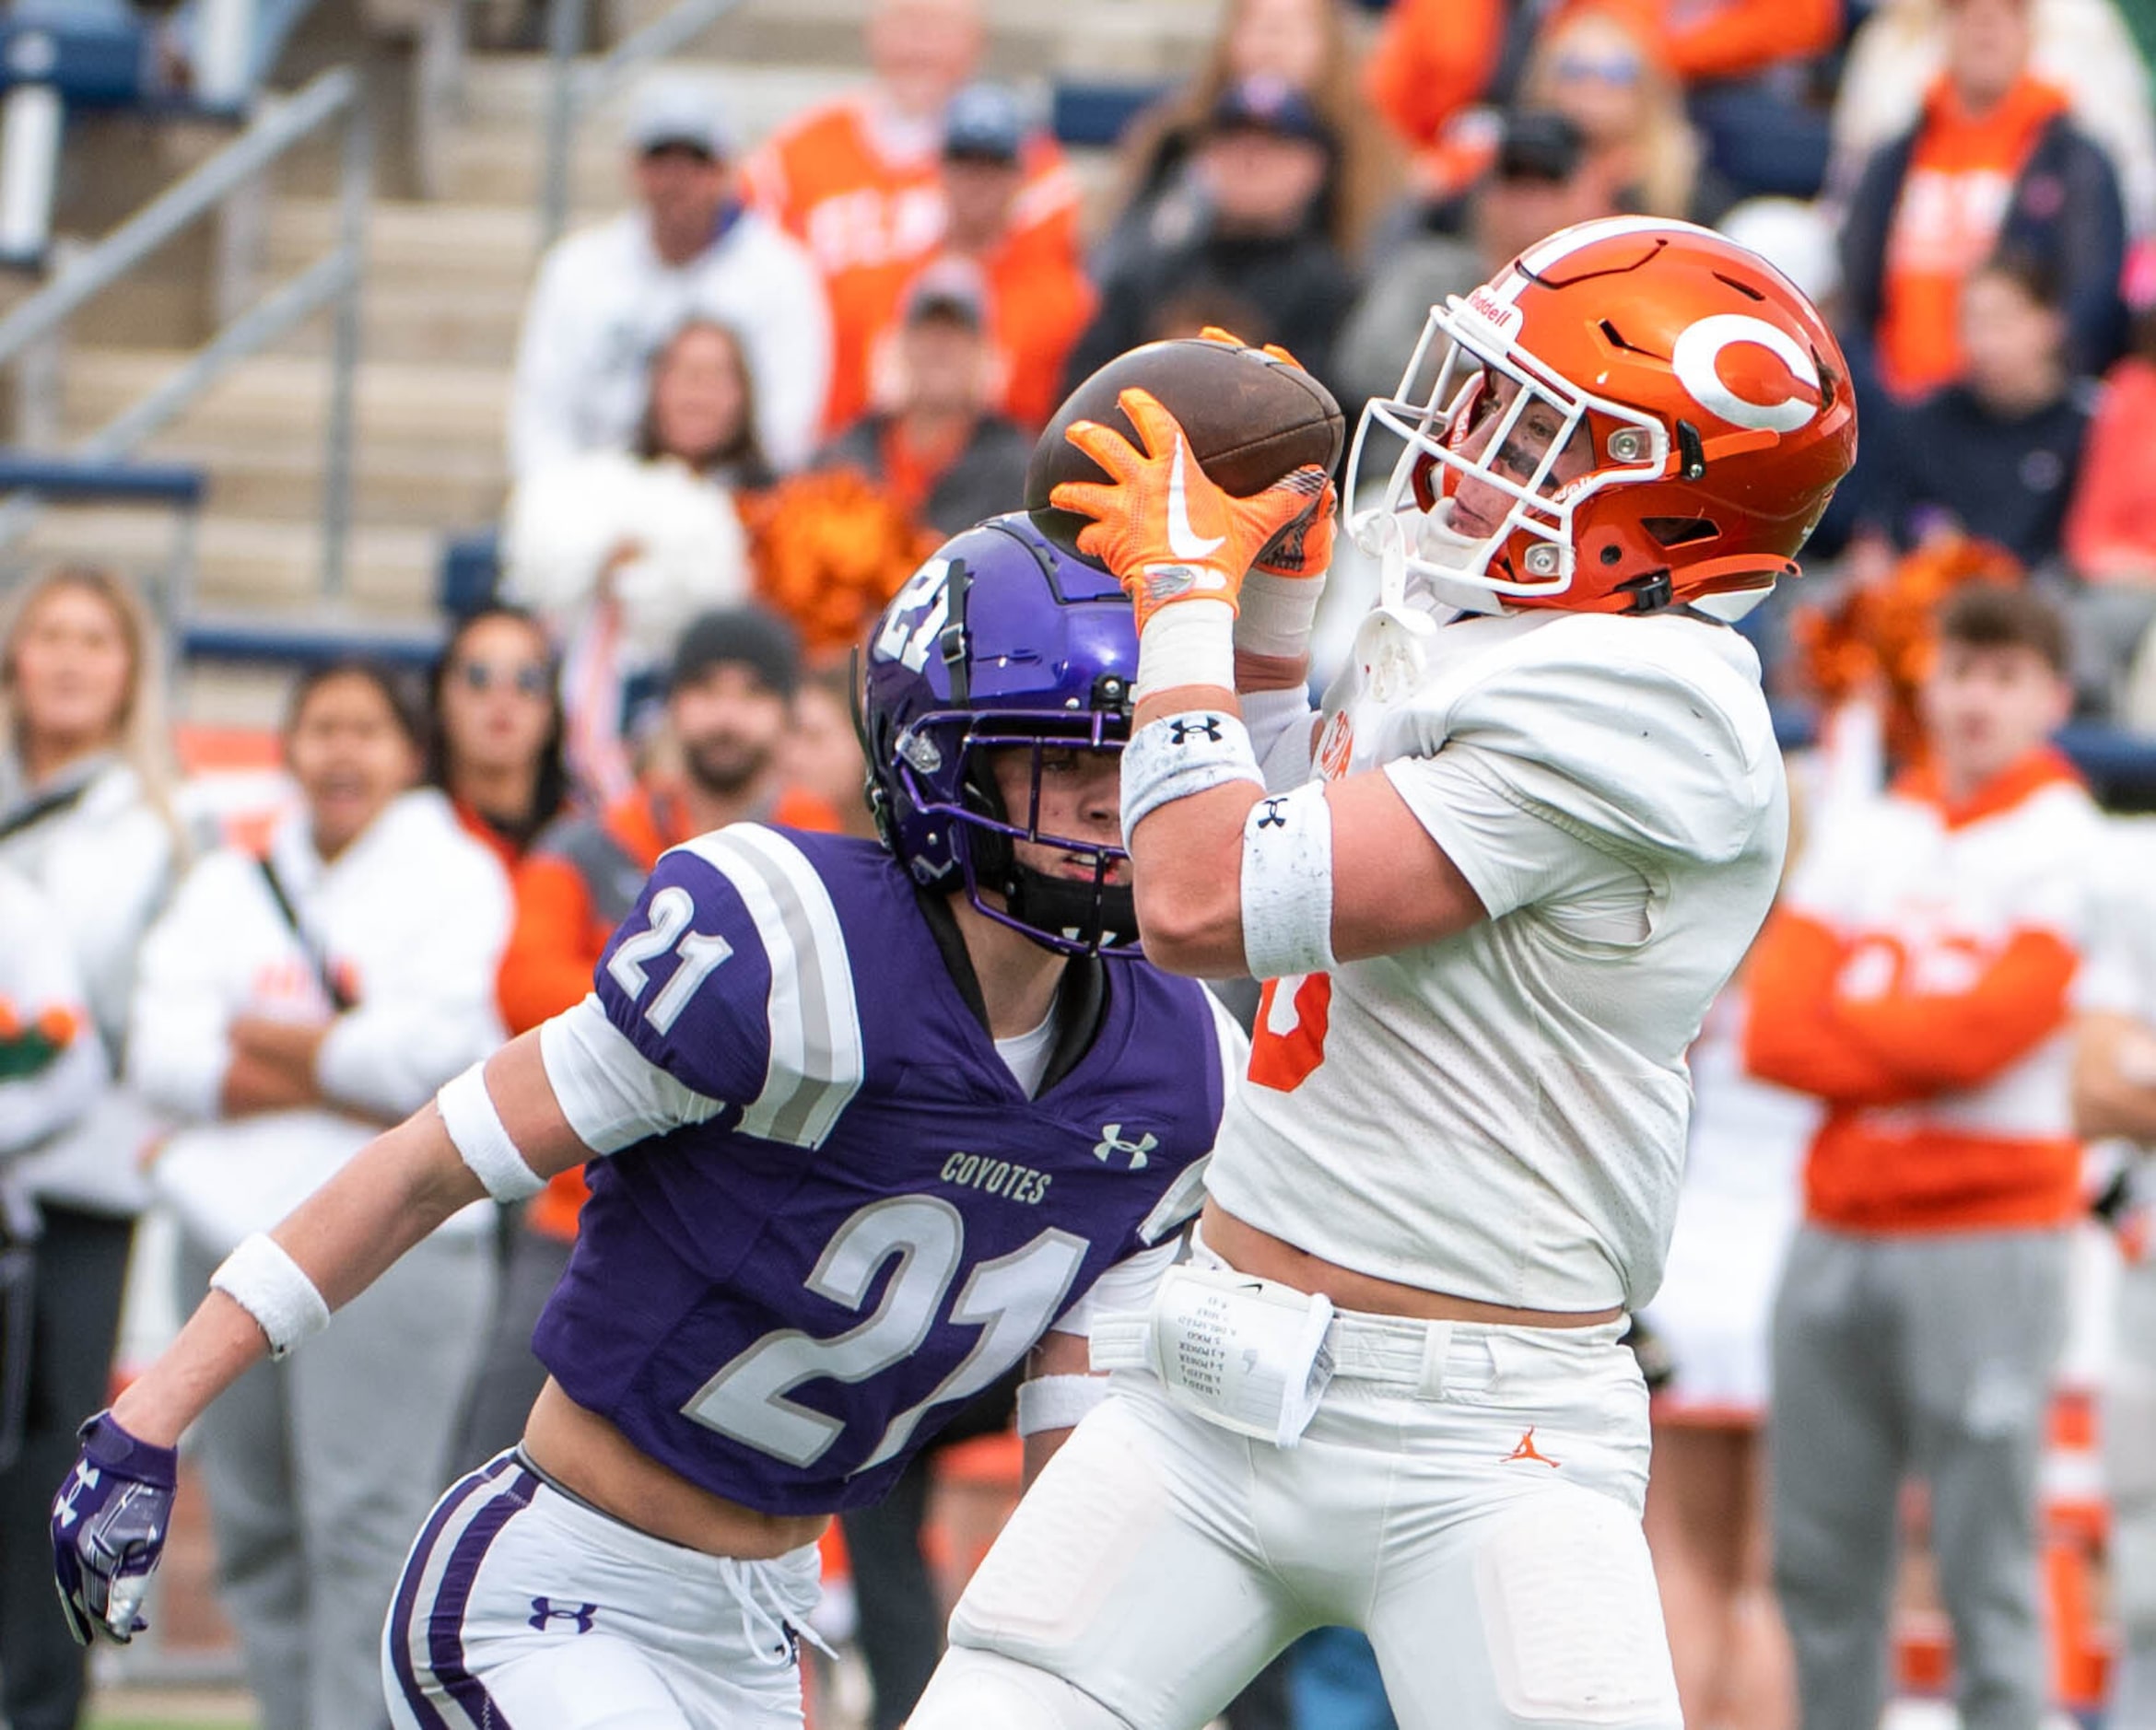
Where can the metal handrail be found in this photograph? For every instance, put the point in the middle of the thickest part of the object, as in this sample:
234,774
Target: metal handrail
577,86
332,280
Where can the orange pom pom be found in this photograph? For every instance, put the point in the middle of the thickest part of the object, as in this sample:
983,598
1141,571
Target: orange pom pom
831,548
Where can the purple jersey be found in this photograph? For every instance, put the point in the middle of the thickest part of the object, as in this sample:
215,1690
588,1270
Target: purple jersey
783,1302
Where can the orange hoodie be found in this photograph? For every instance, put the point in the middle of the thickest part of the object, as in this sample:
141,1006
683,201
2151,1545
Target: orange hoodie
1960,180
1919,978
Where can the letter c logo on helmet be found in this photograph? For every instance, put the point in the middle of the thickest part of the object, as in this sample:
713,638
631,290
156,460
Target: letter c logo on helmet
1698,357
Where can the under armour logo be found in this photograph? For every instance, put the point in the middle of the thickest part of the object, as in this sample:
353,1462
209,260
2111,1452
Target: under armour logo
85,1478
544,1612
1269,818
1111,1142
1182,732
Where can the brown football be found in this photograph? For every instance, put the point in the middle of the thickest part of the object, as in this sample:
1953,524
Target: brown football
1250,420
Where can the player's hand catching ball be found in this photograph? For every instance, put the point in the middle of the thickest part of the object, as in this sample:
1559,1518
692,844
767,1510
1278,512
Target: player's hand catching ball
1304,549
1163,525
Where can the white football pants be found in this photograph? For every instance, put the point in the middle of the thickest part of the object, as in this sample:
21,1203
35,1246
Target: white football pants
523,1606
1468,1496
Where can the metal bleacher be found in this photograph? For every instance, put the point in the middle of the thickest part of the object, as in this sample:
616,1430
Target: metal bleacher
102,466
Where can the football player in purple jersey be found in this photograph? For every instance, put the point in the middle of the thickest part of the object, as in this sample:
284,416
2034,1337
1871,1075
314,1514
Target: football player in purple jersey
867,1126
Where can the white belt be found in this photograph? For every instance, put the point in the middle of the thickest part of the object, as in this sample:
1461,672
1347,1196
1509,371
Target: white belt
1394,1349
1246,1354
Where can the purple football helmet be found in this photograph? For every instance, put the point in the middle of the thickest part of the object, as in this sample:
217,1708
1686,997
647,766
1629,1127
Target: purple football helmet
999,642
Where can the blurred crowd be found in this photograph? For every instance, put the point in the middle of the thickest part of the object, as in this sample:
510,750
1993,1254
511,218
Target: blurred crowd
746,407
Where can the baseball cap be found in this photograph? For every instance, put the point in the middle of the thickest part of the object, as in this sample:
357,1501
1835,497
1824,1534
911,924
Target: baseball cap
1266,103
950,287
984,122
671,111
1538,145
745,637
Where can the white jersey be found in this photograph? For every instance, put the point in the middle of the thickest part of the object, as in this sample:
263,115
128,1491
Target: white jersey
1501,1116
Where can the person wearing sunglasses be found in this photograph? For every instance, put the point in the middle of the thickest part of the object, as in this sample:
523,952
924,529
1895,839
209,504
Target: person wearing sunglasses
1593,64
495,729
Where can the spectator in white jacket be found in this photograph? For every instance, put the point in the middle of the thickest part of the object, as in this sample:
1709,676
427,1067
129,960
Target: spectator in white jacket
609,295
617,551
52,1066
52,1061
289,1004
85,817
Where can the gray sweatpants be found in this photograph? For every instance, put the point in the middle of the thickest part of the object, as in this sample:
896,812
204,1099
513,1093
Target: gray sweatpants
322,1470
1925,1357
2130,1463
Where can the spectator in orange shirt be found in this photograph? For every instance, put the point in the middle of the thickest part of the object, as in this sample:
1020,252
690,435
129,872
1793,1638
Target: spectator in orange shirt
1922,976
729,709
495,729
1993,165
939,450
857,180
1038,298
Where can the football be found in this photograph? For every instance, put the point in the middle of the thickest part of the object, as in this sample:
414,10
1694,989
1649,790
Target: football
1251,419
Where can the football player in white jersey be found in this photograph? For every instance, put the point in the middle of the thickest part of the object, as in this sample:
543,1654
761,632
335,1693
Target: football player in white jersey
1492,888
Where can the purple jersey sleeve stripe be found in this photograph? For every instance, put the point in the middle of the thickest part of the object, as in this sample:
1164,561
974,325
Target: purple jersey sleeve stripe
402,1610
445,1625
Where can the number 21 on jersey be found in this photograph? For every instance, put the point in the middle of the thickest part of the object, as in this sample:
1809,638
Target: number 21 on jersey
1011,1300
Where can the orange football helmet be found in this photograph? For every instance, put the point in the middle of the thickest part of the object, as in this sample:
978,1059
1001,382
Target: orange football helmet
1641,412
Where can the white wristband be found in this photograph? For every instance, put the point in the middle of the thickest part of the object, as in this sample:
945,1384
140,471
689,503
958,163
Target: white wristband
1181,754
1287,885
482,1141
1192,642
1275,614
264,1280
1057,1402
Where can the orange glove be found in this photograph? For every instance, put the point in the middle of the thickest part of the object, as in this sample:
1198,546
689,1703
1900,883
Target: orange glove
1303,548
1213,334
1163,525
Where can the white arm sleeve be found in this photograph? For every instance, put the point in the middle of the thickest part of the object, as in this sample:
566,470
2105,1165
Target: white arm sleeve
612,1094
1125,1289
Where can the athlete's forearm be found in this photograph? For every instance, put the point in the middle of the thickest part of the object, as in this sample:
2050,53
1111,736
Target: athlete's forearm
1038,1450
343,1237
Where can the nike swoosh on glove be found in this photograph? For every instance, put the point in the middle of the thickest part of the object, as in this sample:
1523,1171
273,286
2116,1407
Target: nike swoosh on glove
1163,525
109,1525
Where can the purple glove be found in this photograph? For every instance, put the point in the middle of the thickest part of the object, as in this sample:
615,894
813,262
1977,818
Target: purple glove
109,1525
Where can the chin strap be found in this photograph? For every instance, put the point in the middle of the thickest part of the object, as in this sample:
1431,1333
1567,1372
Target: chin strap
1095,914
1392,642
